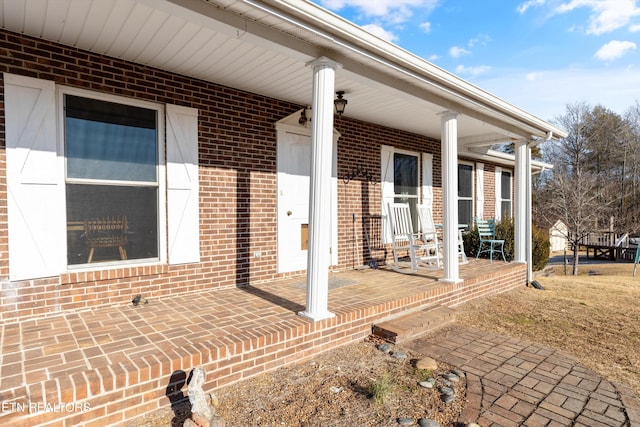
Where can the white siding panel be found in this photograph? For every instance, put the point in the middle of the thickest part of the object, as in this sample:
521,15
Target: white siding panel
37,239
183,220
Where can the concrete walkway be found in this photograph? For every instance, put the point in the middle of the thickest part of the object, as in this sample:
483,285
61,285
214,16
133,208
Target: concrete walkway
513,382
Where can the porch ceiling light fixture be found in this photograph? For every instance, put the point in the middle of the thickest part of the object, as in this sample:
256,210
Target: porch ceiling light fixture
340,103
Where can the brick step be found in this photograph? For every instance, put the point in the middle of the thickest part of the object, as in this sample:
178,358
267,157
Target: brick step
414,324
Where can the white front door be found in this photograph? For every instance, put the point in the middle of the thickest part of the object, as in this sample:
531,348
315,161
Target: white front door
294,164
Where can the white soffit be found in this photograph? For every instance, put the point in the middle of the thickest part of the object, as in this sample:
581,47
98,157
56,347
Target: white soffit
263,47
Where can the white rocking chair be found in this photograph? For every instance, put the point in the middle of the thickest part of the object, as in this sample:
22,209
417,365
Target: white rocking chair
429,232
421,253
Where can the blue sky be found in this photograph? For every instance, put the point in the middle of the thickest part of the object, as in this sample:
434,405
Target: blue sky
539,55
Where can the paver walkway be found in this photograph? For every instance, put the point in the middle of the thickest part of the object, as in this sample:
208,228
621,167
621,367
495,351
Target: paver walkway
513,382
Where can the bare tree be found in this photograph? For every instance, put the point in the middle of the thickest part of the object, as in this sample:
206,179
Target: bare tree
576,200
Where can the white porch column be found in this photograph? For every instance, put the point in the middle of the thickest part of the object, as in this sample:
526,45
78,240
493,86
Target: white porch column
521,215
529,227
449,147
324,71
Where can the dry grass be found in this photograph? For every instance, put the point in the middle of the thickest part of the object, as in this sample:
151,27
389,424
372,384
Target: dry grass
593,316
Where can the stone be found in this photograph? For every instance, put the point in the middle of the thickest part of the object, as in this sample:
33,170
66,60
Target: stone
385,348
401,355
452,377
405,421
448,398
473,425
201,412
427,363
447,391
425,384
428,422
458,372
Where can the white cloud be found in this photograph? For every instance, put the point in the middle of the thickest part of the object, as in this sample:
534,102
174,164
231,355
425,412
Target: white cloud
533,76
425,26
606,15
434,57
481,39
390,10
614,49
634,28
529,3
380,32
472,71
457,52
547,95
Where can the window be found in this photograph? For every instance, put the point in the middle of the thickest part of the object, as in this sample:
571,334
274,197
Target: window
505,194
405,182
84,154
111,180
465,194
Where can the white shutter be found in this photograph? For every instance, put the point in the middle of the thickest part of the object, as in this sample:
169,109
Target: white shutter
387,182
427,180
183,220
498,214
35,190
480,190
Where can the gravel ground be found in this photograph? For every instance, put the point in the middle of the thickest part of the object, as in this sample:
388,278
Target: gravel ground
335,388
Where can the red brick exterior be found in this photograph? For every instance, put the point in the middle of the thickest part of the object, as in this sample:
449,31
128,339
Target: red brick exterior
238,211
238,200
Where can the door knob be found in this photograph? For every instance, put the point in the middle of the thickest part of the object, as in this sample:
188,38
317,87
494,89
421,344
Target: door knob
289,213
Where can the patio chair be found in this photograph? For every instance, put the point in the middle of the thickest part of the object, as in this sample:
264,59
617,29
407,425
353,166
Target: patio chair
404,239
429,233
487,233
109,232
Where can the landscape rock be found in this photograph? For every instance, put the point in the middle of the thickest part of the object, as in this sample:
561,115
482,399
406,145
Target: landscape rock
385,348
427,363
428,422
401,355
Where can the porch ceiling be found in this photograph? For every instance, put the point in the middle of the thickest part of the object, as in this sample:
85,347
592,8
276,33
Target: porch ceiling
263,46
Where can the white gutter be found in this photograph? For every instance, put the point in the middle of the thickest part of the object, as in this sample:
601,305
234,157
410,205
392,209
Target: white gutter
366,44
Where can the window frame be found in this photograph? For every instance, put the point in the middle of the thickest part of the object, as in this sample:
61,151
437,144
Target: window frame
470,198
161,208
412,207
501,200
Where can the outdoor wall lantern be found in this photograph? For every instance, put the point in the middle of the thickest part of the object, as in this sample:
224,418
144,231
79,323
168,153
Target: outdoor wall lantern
340,103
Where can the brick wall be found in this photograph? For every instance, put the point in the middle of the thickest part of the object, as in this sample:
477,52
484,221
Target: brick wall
238,195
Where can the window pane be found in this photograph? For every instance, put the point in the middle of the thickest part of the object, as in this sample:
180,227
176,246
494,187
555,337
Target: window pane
405,173
465,181
505,209
90,202
465,212
109,141
505,186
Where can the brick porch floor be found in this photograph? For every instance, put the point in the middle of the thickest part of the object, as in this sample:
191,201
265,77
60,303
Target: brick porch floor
109,365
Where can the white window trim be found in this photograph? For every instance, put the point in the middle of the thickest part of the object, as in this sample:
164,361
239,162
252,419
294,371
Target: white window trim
499,198
61,91
425,181
473,187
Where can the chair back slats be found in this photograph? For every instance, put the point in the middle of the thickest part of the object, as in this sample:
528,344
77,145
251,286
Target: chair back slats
401,224
486,228
106,232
